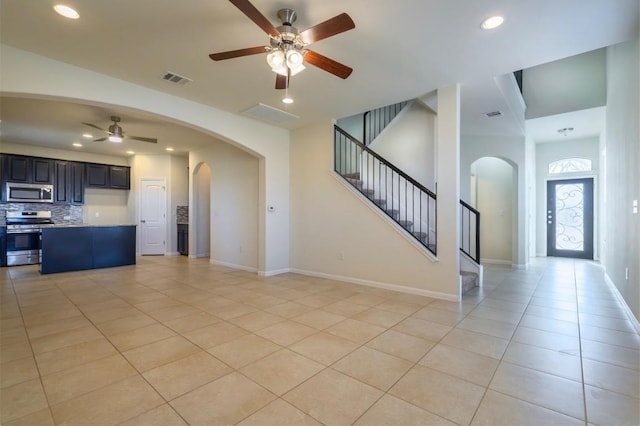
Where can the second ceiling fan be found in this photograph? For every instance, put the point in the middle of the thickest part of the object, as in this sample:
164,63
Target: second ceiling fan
287,49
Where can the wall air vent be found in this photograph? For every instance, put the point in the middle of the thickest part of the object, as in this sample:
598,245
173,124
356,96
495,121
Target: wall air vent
493,114
269,113
175,78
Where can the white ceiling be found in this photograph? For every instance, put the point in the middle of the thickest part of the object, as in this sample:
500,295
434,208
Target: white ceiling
399,50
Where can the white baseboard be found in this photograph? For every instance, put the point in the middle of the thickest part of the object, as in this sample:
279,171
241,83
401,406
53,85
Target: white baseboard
377,284
233,265
623,303
496,262
274,272
172,253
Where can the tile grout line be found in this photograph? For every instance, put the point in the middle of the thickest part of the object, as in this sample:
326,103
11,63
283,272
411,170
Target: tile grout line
584,387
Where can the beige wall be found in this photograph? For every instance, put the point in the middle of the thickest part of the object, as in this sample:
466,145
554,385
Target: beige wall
335,233
233,206
57,80
495,199
621,159
409,143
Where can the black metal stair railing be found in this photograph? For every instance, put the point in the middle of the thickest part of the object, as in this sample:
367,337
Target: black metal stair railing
375,121
402,198
470,231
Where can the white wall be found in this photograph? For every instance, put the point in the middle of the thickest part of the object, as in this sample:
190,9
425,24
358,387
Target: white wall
233,182
621,233
409,143
547,153
495,201
27,74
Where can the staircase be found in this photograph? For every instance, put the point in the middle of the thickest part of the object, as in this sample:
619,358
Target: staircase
406,201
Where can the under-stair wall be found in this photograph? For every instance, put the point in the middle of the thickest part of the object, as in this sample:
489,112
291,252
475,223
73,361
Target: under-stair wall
336,233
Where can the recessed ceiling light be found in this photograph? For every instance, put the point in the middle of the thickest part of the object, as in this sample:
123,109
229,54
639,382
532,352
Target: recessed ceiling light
87,135
130,152
77,144
492,22
170,149
66,11
287,100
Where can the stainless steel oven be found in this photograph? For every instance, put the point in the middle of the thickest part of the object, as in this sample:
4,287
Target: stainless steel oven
23,236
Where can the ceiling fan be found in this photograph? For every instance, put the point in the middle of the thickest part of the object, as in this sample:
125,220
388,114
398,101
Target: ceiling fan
287,50
115,133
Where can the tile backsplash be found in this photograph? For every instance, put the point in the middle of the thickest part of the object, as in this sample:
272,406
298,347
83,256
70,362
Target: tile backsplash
58,211
182,214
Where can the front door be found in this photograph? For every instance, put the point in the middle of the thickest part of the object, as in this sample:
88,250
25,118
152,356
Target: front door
570,218
153,221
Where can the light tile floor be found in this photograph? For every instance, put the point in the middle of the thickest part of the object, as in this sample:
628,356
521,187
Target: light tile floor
178,341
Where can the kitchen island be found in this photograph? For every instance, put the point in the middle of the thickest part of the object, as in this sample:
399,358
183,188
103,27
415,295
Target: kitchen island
81,247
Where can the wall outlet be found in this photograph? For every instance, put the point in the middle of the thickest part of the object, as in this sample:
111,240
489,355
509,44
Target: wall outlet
240,249
97,214
341,255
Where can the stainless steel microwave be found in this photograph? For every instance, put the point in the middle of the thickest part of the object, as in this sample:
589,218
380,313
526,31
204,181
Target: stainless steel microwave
29,193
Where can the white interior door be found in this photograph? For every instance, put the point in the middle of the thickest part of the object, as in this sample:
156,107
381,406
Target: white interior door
153,217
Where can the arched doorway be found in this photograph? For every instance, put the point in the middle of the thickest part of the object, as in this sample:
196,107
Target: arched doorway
200,242
493,191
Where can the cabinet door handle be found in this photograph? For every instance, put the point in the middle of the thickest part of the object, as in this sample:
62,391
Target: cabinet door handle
143,221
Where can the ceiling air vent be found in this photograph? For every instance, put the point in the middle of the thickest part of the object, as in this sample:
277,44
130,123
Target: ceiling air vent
493,114
175,78
269,113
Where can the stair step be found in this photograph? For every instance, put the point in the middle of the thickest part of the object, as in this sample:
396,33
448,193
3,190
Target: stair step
352,175
394,213
380,202
469,280
356,182
368,192
406,224
422,236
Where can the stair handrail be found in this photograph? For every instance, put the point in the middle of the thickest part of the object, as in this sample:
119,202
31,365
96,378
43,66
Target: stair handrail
389,112
386,162
475,257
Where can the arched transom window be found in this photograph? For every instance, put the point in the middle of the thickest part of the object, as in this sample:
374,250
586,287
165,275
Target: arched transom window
570,165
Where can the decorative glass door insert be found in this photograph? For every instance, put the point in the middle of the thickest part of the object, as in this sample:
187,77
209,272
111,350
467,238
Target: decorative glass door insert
570,218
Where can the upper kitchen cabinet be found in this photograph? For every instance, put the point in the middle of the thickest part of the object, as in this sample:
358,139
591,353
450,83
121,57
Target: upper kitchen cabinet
24,169
105,176
69,184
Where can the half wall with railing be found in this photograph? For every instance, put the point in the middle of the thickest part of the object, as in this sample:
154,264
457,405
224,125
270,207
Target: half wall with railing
402,198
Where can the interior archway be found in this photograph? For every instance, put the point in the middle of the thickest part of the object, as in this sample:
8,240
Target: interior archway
493,191
200,242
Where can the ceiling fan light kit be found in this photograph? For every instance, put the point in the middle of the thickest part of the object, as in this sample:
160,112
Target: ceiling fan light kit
115,133
287,50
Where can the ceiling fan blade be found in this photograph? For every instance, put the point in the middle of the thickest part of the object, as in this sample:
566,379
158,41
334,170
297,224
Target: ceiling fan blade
282,82
237,53
143,139
327,64
100,140
336,25
95,127
252,13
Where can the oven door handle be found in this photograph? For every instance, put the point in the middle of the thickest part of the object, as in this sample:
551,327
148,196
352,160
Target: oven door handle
23,231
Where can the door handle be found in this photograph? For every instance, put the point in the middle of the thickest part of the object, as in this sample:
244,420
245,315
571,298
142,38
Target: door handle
143,221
